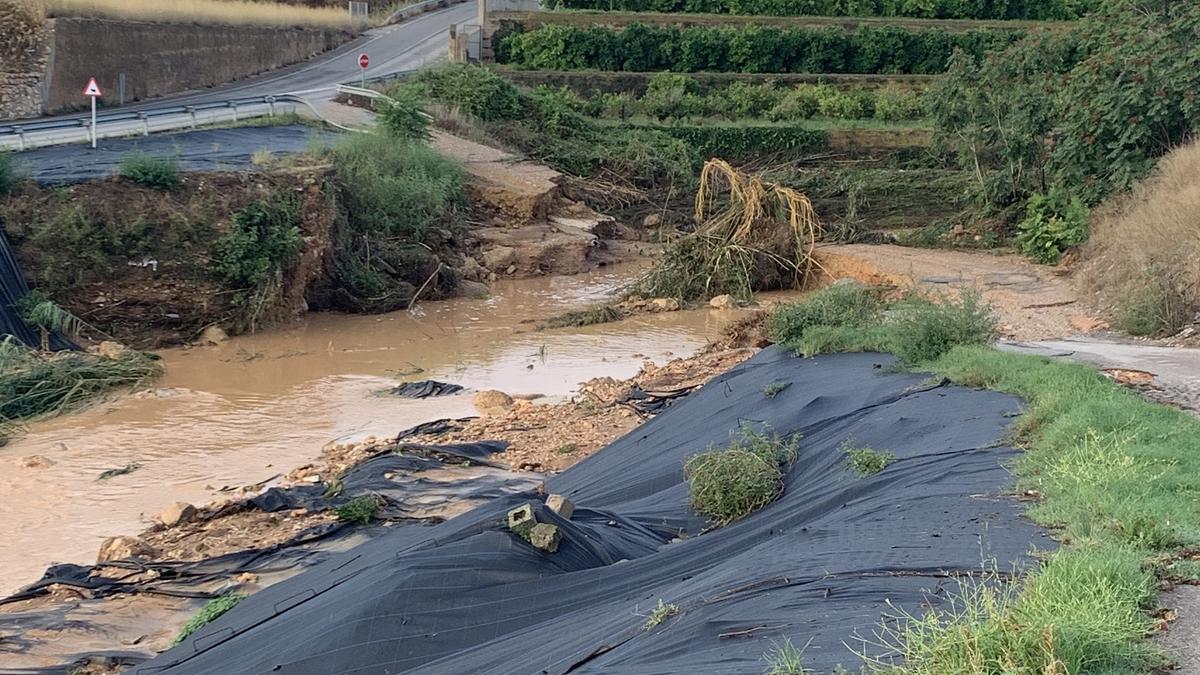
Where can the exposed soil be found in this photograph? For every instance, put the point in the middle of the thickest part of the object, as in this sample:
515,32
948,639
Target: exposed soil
1033,302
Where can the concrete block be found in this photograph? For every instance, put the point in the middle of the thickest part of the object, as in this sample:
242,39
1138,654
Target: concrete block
521,520
545,536
561,505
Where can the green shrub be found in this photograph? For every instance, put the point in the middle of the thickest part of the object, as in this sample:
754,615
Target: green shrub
753,49
672,96
264,237
1039,10
730,484
211,611
840,105
402,116
921,330
1152,307
801,103
744,100
475,90
894,105
866,462
359,511
733,141
1053,223
12,176
840,305
159,173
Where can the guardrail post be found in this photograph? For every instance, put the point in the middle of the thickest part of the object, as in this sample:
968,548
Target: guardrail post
234,105
271,104
192,111
145,123
20,138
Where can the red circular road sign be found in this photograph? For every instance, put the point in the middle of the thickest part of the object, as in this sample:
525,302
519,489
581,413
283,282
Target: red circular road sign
363,60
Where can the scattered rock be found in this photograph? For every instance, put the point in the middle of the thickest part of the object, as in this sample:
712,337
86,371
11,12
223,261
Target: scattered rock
499,257
491,402
474,289
512,269
179,512
722,302
652,221
561,505
36,462
664,305
213,335
545,536
471,270
1087,324
123,548
111,350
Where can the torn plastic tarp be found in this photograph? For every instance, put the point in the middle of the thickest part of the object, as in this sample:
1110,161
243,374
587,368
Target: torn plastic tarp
819,566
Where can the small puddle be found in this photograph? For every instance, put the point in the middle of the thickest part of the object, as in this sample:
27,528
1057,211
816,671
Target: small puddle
261,405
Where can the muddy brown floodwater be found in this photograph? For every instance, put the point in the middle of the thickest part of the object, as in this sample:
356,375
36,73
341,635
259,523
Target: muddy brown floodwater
257,406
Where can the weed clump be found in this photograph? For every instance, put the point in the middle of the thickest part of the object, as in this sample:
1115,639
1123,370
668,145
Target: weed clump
660,614
211,611
402,117
12,176
784,658
159,173
922,330
775,388
36,384
359,511
730,484
751,235
866,462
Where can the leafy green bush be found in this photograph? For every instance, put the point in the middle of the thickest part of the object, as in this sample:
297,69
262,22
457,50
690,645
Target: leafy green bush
360,510
929,9
1053,223
866,461
730,484
801,103
477,91
753,49
672,96
402,116
736,140
893,105
11,174
744,100
921,330
159,173
211,611
840,105
264,237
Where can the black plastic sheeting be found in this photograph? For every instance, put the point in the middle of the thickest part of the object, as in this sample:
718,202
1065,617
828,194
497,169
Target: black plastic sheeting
12,290
425,389
205,150
818,566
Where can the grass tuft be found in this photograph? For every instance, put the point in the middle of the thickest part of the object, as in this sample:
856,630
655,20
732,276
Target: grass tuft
866,462
784,658
775,388
159,173
12,174
211,611
660,614
359,511
730,484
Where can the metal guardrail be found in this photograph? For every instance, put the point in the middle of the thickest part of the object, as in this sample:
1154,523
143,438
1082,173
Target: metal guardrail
145,116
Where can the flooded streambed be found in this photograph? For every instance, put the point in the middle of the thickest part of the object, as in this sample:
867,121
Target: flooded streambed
257,406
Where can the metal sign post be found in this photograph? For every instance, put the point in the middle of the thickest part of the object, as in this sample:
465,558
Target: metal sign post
92,90
363,62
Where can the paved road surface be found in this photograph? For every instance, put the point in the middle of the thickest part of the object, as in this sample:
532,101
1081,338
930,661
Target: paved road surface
403,46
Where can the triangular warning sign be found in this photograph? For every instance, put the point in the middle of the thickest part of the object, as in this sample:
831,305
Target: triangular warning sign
92,89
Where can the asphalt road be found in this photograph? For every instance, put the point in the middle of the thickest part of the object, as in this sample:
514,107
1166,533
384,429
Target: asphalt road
404,46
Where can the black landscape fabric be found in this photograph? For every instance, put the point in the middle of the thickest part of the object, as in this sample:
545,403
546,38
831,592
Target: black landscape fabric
13,289
818,567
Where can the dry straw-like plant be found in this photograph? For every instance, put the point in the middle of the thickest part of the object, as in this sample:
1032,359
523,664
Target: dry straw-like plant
203,11
751,235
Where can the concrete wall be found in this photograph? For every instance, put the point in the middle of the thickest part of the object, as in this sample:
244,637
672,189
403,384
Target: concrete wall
162,58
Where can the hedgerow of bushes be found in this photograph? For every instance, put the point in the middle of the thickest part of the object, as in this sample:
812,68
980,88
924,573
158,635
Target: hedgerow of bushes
753,49
931,9
672,96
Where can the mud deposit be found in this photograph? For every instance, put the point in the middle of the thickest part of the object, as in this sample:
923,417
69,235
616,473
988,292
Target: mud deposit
251,409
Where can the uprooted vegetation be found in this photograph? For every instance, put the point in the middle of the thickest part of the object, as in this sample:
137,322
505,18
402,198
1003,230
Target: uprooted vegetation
751,235
211,611
731,483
